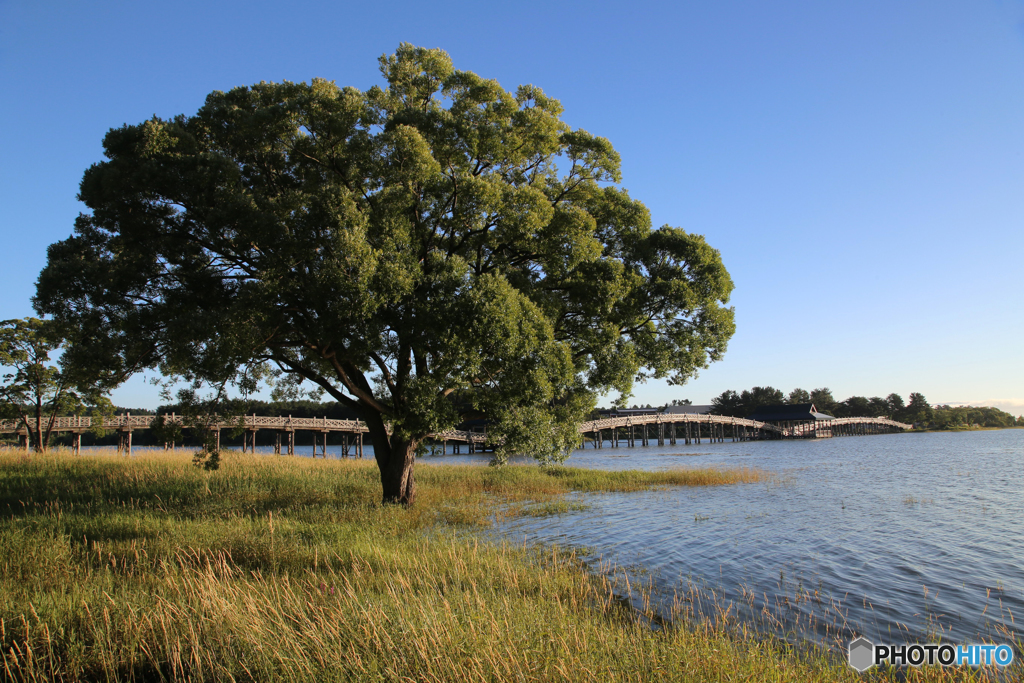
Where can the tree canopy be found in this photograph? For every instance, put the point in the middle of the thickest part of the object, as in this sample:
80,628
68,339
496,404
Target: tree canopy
917,411
746,402
424,251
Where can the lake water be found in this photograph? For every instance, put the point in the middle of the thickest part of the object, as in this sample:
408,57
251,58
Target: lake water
900,537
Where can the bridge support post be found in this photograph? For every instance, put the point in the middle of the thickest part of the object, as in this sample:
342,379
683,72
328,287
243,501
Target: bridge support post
291,442
76,443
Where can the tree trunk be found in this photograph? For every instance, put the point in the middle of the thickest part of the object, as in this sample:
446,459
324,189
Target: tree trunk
395,459
396,476
39,425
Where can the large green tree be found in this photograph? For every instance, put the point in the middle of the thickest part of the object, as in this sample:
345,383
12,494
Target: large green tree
424,251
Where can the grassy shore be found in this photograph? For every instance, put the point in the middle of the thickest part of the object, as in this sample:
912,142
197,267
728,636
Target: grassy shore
288,569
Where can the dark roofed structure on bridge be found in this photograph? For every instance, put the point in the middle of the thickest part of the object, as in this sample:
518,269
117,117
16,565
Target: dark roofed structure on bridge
796,412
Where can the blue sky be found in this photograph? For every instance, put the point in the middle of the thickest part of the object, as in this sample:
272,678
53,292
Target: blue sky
860,165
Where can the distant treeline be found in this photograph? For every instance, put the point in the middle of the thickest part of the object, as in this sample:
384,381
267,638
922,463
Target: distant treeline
968,417
916,410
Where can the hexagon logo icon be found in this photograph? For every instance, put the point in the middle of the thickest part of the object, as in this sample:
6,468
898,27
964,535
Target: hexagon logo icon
861,654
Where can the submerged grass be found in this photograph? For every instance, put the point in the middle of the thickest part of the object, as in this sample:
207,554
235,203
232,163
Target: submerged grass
289,569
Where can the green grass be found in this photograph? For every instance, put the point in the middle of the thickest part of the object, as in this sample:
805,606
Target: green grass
276,568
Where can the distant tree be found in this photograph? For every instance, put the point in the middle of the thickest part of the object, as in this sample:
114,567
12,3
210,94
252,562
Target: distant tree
37,390
950,417
918,409
855,406
741,405
823,400
727,403
761,396
896,406
681,402
798,396
879,407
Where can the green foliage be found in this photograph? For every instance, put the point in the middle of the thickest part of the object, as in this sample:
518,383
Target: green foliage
35,389
798,396
896,405
747,402
823,400
918,409
435,249
969,417
728,403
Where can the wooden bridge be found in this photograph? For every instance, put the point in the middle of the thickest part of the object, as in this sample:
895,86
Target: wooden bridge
632,430
352,431
695,428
